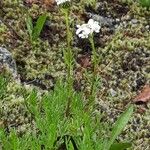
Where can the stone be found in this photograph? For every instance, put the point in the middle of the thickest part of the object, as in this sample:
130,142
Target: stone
104,21
6,59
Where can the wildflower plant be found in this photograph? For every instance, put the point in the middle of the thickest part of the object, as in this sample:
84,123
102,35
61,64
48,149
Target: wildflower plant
87,31
52,127
82,130
65,8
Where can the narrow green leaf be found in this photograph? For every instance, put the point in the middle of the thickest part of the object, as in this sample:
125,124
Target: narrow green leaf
39,26
120,146
69,145
31,102
119,126
29,26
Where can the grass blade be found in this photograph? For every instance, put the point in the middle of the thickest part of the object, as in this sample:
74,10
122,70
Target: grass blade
29,25
39,26
119,126
120,146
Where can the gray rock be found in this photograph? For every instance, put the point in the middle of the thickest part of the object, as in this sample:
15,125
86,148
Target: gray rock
7,59
104,21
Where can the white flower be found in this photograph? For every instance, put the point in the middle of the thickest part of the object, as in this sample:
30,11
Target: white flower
94,26
84,30
61,1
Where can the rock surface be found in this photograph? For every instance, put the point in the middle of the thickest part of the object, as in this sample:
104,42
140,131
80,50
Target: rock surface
6,59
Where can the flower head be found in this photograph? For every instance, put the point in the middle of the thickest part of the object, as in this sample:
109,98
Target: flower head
84,30
94,26
61,1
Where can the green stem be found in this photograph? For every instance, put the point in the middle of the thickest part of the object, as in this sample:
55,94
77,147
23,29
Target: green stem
69,51
68,60
94,76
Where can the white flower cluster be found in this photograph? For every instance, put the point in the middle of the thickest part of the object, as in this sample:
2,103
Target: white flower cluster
61,1
84,30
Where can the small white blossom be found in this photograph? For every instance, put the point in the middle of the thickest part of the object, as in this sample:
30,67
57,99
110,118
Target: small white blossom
94,26
84,30
61,1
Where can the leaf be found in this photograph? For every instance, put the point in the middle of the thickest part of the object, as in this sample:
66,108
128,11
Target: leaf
31,102
29,26
119,126
144,95
120,146
39,26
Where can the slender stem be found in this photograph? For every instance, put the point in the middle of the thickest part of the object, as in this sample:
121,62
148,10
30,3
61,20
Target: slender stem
95,63
68,43
68,60
68,53
94,54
